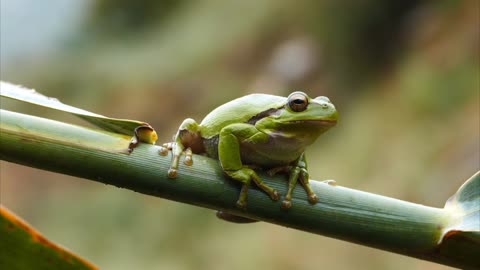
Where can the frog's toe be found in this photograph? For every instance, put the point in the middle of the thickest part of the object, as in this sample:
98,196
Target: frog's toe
275,195
241,205
286,204
172,173
188,157
163,151
313,198
188,161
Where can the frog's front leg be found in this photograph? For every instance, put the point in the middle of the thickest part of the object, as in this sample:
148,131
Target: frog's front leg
185,139
297,172
305,180
230,139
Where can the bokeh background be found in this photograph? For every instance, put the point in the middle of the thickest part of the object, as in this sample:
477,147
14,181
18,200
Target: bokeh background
403,74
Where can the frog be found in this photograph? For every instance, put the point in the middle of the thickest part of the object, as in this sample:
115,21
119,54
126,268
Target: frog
257,131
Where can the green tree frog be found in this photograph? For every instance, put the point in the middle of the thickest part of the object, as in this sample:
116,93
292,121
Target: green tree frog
257,131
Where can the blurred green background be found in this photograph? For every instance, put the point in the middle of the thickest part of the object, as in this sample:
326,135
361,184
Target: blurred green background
403,74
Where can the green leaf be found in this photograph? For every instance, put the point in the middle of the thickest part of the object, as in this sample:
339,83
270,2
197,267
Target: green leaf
22,247
461,238
122,126
465,207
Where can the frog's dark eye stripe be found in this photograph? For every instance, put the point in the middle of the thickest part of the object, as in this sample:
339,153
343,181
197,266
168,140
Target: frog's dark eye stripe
298,102
269,112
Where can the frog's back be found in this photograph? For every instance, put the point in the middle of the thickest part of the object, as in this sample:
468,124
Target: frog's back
239,110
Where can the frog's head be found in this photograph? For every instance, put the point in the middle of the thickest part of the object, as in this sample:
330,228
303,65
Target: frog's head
302,108
301,116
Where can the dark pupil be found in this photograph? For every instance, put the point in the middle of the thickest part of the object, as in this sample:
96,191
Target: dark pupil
298,101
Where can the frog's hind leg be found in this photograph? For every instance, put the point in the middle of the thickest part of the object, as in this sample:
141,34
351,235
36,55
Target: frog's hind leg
246,175
230,159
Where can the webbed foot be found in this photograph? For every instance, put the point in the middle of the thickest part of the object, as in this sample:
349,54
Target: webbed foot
286,204
176,153
297,172
172,173
313,198
163,151
186,137
241,205
246,175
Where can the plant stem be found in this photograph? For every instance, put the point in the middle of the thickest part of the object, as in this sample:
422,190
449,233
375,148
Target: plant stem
364,218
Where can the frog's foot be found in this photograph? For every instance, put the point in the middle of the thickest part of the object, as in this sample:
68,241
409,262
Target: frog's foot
298,173
173,170
188,157
163,151
176,153
242,199
234,218
246,175
313,198
286,204
186,138
241,204
304,179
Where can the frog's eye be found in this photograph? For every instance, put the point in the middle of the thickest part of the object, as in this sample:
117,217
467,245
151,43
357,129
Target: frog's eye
298,102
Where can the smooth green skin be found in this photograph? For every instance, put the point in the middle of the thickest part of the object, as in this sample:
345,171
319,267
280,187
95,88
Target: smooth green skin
258,131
